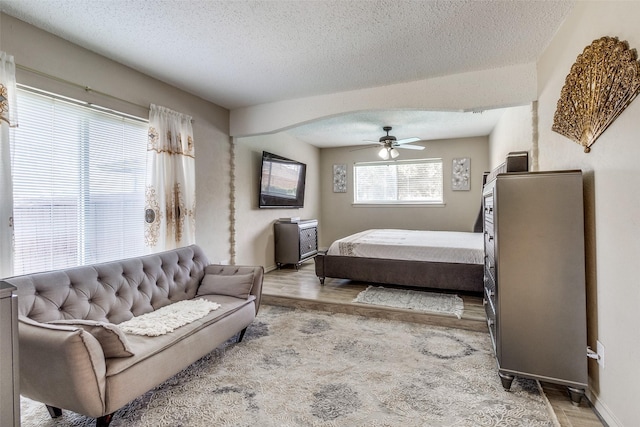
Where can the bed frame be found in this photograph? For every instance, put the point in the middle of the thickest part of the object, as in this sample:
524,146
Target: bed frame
436,275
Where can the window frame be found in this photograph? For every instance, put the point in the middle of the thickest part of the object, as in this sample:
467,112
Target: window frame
399,203
85,198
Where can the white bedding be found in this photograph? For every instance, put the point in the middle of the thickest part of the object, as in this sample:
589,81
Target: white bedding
414,245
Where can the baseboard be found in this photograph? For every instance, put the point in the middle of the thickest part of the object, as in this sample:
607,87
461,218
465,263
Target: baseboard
603,412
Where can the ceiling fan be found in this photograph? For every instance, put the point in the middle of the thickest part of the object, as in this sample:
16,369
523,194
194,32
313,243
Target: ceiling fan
390,143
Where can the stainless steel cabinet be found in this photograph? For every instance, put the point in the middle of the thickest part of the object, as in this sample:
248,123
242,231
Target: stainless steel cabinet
535,277
295,242
9,380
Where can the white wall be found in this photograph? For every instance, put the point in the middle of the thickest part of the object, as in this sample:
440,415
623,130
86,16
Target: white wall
514,132
341,218
612,194
612,202
39,50
254,226
485,89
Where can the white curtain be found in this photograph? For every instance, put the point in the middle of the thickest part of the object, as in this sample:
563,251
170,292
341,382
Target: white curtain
8,120
170,186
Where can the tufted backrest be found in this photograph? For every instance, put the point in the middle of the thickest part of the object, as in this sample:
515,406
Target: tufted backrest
112,291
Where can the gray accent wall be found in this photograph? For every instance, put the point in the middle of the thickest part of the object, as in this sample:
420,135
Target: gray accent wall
340,217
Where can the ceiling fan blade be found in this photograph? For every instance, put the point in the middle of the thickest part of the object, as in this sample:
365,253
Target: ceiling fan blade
364,148
410,147
407,140
371,141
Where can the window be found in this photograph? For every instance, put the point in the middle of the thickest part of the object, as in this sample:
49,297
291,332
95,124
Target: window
78,184
399,182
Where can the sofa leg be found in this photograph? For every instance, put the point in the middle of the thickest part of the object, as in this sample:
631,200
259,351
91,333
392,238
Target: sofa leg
53,411
104,420
241,335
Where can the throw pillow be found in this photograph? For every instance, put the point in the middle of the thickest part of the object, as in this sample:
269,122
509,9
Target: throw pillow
237,285
112,340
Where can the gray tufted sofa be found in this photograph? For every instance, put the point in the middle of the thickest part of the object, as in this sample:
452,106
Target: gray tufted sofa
65,366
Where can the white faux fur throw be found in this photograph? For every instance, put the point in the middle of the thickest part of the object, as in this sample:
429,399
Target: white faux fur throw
168,318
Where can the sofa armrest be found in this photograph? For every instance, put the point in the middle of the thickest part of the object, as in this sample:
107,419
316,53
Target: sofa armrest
230,270
62,366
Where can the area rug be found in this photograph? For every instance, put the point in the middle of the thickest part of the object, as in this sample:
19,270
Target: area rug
311,368
427,302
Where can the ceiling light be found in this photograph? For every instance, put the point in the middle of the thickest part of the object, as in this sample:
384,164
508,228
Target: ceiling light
383,153
394,153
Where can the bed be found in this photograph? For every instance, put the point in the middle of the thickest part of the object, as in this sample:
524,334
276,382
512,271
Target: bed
432,259
429,259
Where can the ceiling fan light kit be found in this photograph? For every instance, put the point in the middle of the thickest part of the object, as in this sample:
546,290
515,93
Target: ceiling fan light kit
390,143
385,153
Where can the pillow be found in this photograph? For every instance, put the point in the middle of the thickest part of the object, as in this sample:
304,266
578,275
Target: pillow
112,340
237,285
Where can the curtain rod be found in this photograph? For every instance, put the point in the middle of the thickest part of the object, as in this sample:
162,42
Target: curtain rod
85,88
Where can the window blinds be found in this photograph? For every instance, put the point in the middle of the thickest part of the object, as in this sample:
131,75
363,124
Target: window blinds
399,182
78,185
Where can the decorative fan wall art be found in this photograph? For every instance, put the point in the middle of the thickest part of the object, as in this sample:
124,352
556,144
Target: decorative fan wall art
602,82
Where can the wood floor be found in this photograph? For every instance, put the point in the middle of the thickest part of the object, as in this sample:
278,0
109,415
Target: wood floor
301,288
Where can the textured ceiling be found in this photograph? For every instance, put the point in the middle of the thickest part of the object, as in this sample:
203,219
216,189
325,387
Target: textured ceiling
357,128
244,53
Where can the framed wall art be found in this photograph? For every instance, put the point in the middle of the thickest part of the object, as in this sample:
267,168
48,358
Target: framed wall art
461,174
340,178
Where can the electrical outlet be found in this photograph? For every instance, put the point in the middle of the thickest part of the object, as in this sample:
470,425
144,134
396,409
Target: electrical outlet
600,354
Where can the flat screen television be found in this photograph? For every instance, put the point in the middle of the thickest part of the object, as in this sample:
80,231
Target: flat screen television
282,182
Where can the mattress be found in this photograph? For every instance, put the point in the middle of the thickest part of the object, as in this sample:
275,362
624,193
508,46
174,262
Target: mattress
413,245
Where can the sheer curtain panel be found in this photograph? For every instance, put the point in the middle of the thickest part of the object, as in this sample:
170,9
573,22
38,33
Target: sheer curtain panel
8,119
170,186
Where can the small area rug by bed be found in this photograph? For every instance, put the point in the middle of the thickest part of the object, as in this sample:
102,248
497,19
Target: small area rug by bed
312,368
429,302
